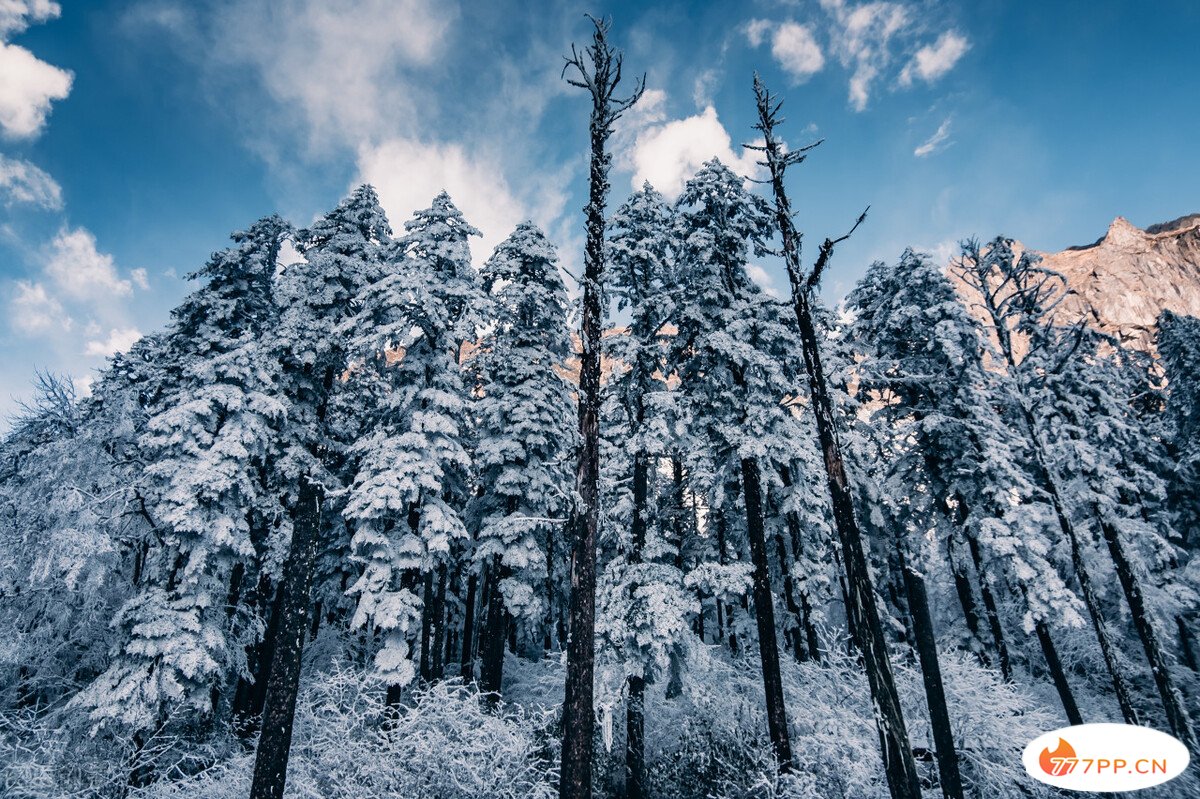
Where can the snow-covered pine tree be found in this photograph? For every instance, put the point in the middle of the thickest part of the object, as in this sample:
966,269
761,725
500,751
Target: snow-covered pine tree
412,469
207,445
1018,299
644,608
732,354
342,255
526,445
1106,450
927,360
915,346
1179,347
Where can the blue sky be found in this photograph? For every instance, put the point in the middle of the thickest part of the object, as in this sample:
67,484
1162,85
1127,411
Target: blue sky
134,136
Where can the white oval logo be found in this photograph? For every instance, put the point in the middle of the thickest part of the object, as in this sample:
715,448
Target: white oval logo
1105,757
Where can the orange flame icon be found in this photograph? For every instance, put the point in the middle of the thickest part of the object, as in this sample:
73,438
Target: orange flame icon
1058,762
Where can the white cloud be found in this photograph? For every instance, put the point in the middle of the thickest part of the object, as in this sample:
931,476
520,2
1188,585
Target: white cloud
28,85
408,174
33,311
763,278
756,31
794,47
339,66
933,61
119,340
797,51
140,278
17,15
82,271
935,143
27,88
23,183
862,38
669,154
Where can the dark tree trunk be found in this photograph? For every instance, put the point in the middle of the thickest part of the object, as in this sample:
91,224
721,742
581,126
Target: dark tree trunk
491,654
991,610
548,618
724,611
861,609
1177,716
931,673
1185,644
468,634
635,740
250,694
1082,574
966,601
903,781
794,634
764,614
679,518
598,70
283,682
795,532
1058,675
635,755
439,626
427,603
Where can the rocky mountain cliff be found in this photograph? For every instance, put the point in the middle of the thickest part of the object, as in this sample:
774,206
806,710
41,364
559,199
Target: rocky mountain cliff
1126,278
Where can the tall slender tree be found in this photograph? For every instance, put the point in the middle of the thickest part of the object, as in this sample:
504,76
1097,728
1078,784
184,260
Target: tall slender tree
730,354
342,255
861,607
597,70
526,440
646,614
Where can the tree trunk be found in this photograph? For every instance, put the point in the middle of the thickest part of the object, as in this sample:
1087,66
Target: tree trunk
548,617
600,79
439,626
1050,486
794,634
1177,716
991,609
283,682
1185,644
931,673
427,603
635,756
764,614
795,532
468,635
861,610
635,740
903,782
1058,675
966,601
491,655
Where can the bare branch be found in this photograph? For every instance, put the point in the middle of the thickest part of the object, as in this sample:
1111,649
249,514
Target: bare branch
826,252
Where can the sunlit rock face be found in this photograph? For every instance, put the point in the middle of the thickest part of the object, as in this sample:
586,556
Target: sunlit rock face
1123,281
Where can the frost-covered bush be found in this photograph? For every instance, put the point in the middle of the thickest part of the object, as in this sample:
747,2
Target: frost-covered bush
441,744
51,754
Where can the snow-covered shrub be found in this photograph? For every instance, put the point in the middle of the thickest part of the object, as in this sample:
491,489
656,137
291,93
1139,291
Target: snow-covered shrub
441,744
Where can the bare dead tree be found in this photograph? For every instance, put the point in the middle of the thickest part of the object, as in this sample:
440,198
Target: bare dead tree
597,70
861,608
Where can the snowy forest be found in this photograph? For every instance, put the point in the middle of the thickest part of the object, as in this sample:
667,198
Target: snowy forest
366,521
